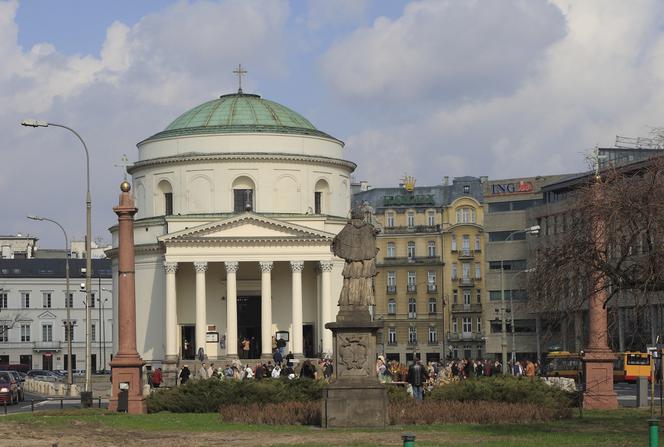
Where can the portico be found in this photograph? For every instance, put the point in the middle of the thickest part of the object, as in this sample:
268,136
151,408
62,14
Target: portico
285,266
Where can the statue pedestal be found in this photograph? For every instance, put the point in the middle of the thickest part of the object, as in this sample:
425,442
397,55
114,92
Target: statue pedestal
127,377
598,378
355,398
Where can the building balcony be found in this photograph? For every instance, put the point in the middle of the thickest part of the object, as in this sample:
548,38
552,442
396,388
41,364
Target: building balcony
412,229
432,288
411,288
464,336
391,290
465,253
46,346
465,282
410,260
466,308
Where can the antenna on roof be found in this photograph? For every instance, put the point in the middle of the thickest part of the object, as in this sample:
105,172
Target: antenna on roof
239,72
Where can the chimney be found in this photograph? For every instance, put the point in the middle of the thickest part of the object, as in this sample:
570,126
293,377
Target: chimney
364,185
484,178
446,180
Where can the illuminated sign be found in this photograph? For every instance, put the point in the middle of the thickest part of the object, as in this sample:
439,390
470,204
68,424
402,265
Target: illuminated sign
511,188
425,199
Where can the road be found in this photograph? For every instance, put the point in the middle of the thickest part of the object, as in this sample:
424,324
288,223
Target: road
52,404
627,394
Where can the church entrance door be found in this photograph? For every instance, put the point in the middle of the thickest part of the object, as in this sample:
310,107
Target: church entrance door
308,339
249,326
188,342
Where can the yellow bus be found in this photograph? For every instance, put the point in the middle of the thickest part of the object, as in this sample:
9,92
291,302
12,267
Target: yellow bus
636,364
570,365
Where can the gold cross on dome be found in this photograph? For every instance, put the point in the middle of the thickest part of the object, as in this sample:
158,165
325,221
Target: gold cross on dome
239,72
123,165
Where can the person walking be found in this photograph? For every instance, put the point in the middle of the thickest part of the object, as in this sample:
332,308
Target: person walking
416,377
202,372
184,374
157,378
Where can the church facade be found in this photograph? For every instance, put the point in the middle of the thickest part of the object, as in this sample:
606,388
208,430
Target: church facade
238,202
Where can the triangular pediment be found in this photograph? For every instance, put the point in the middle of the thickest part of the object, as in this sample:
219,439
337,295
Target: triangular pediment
46,315
248,226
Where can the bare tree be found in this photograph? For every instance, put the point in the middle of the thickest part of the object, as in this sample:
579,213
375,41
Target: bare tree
612,228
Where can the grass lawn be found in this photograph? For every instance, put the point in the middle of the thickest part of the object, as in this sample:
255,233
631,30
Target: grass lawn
623,427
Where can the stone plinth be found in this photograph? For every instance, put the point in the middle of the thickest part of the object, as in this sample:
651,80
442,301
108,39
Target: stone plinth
598,378
355,398
127,372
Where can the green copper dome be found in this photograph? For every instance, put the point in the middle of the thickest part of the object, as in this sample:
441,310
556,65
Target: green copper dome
239,113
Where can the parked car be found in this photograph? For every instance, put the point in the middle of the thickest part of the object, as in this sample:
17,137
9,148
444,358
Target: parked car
8,389
15,367
19,384
42,374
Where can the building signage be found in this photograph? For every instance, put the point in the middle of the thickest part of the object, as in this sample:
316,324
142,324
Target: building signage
422,199
511,188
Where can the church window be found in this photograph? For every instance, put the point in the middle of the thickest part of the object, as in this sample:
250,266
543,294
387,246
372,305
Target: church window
317,202
321,192
165,204
168,203
243,195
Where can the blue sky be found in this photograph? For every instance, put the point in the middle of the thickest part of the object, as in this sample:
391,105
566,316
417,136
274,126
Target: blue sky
436,88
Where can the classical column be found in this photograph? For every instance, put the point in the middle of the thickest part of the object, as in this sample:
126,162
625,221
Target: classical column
326,298
171,325
201,302
266,308
296,335
231,308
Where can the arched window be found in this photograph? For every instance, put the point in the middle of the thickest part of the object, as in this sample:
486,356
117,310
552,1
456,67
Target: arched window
321,193
392,307
243,195
391,251
165,199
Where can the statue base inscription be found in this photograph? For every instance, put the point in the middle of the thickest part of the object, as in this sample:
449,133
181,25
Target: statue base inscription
355,398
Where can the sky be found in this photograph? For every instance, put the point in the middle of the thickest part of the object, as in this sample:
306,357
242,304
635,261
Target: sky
432,88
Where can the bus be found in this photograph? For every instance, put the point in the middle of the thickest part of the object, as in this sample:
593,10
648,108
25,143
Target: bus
570,365
636,364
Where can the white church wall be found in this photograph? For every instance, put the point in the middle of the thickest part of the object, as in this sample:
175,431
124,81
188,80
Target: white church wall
150,290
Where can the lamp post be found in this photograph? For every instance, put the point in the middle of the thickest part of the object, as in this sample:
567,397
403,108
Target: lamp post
503,323
68,303
103,327
513,356
88,241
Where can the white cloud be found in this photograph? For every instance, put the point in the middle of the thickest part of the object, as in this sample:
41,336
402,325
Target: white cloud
603,77
322,13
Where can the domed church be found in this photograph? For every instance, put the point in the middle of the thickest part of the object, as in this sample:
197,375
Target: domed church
238,201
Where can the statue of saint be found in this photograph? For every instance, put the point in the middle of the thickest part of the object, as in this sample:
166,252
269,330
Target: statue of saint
356,244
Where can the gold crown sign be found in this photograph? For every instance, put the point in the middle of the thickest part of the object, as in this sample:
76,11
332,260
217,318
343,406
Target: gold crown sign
408,182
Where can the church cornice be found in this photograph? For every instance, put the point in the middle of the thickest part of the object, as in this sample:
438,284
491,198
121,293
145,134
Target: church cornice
243,156
244,241
141,249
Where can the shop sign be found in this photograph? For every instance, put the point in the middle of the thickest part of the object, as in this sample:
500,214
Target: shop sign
422,199
511,188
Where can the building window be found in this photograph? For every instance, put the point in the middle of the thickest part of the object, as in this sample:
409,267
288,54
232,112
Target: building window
466,325
412,282
391,307
318,196
432,305
501,236
3,300
478,242
411,249
71,332
466,297
410,219
466,189
47,332
92,299
431,282
4,333
465,243
478,270
168,203
455,273
70,301
433,338
243,200
93,332
431,249
46,299
392,336
391,251
465,215
479,324
412,335
453,243
455,296
431,218
391,278
455,325
465,270
412,308
389,220
479,296
25,332
25,300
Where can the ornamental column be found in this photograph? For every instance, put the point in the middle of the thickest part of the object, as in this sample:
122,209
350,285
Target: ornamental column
296,336
231,308
326,306
171,323
266,308
201,302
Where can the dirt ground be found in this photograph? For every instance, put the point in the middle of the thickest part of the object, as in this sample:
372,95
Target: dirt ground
94,434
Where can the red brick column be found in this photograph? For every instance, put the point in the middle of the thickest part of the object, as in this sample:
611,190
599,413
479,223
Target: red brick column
127,365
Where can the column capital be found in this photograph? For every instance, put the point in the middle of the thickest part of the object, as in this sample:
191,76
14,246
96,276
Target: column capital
231,266
296,266
266,266
171,267
200,266
326,266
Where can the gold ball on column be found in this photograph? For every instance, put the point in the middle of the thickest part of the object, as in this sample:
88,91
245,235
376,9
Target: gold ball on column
125,186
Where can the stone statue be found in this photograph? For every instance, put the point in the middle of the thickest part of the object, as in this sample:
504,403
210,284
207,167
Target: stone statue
356,244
